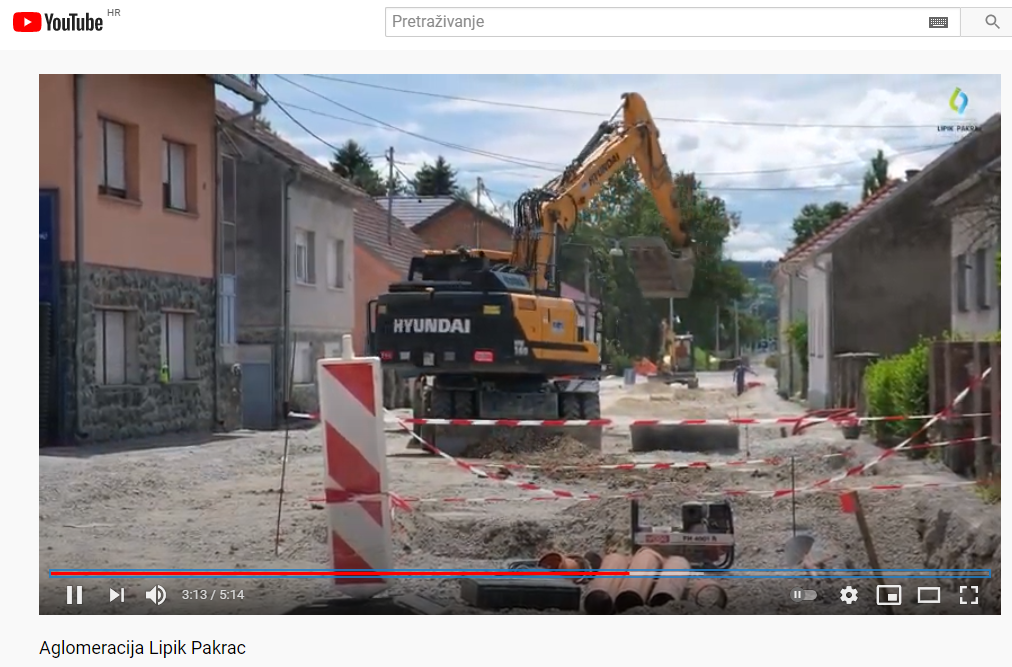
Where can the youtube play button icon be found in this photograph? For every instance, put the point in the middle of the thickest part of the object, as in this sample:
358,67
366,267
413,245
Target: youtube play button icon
27,21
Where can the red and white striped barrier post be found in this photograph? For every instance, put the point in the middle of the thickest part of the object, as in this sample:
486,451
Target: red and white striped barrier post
355,486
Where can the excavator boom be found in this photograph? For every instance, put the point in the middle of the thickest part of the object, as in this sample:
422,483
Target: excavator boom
661,272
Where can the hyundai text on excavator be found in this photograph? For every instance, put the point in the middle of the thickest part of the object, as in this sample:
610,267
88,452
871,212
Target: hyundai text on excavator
485,333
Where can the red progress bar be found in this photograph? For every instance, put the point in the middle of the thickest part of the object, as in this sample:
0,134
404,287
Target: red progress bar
352,574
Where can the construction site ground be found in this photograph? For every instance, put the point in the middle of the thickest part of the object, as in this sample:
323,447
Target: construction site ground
213,503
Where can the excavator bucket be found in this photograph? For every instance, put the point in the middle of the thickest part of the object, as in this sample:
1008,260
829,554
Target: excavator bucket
660,273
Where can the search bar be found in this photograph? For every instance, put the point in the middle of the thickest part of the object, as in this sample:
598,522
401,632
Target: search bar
634,22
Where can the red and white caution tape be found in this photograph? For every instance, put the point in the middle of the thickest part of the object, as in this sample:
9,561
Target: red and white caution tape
509,422
731,421
908,443
726,493
704,465
846,420
774,461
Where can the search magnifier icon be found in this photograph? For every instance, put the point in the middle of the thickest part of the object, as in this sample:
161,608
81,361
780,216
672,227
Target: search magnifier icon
992,20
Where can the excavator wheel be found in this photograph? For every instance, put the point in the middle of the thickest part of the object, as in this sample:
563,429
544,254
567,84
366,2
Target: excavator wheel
440,404
569,407
463,405
590,406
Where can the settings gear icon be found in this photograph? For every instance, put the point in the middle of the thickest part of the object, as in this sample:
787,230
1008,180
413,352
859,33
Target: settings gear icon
848,595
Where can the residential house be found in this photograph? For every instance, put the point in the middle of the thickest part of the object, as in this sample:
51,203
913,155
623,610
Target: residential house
128,265
973,208
587,308
877,279
384,247
288,222
448,222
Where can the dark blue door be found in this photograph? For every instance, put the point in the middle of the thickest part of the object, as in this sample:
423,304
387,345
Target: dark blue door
47,246
49,312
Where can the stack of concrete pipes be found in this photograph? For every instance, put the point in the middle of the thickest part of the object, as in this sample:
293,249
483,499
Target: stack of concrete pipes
657,581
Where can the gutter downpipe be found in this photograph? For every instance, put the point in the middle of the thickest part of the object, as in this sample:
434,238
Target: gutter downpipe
216,419
291,177
79,256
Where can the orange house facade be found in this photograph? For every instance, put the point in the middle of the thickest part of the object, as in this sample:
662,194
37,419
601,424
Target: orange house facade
132,213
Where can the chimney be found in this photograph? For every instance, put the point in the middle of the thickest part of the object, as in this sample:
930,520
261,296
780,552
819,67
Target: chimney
911,173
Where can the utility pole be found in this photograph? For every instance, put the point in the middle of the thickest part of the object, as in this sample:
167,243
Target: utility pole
390,196
716,331
671,315
737,340
586,295
479,186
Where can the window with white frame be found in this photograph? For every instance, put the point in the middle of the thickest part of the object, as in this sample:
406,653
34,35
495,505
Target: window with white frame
304,364
112,177
174,175
179,354
305,257
335,263
112,346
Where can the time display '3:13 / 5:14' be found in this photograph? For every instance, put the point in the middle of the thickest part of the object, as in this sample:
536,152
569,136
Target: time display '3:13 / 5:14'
213,594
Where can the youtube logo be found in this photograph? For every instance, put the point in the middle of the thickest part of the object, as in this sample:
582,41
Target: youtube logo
27,21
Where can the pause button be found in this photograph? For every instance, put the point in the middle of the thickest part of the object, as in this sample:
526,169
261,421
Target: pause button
802,595
75,594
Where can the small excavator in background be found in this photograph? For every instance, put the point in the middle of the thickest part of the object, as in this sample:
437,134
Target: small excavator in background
486,334
677,359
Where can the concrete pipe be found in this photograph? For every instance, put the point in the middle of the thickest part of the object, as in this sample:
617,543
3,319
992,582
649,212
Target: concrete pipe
671,585
707,594
600,599
707,439
635,590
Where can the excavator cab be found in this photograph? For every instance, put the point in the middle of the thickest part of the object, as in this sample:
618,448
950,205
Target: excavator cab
660,273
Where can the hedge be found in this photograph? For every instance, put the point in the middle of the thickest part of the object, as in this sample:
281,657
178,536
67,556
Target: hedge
898,386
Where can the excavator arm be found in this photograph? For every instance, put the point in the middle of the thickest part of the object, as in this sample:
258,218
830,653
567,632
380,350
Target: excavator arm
660,272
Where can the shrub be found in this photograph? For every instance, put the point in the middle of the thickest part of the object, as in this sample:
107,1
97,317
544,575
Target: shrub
701,358
898,386
773,361
797,334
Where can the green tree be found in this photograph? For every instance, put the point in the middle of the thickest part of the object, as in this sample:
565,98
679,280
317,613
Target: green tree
625,208
436,180
396,185
876,177
352,161
813,218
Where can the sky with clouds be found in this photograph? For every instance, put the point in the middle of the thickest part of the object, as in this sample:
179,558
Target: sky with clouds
766,144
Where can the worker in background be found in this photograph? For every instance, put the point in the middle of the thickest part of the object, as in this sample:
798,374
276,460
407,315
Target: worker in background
739,375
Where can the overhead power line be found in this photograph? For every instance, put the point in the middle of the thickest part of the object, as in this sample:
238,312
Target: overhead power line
597,114
524,162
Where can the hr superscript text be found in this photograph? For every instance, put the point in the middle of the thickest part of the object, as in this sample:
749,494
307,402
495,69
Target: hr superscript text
439,21
131,648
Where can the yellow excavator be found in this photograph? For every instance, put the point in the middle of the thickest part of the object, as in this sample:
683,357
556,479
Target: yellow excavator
486,335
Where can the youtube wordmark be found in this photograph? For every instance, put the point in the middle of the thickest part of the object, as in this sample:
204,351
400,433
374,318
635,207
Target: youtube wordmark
73,23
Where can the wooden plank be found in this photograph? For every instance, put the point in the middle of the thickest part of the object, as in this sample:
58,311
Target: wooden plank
996,393
852,501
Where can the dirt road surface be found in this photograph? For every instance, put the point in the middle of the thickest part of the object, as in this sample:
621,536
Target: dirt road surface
213,503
